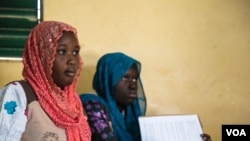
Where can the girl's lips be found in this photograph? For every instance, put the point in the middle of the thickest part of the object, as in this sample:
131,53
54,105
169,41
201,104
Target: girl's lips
133,95
70,74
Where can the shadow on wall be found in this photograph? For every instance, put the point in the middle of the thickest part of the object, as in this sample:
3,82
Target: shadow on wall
85,83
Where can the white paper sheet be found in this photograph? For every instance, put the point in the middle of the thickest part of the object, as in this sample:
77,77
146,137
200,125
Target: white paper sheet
170,128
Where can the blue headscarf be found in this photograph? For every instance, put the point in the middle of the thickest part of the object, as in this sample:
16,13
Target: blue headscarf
110,69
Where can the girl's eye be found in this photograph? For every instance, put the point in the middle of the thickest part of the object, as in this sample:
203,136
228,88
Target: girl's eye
76,52
124,78
134,79
61,52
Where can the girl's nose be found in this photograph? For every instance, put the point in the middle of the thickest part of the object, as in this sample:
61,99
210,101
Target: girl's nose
72,59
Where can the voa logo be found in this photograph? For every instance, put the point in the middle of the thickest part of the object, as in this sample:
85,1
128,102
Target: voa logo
236,132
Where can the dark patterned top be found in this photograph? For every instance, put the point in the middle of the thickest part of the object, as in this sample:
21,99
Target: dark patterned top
99,121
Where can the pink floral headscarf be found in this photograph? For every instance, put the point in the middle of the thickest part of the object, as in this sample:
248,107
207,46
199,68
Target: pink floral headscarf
62,106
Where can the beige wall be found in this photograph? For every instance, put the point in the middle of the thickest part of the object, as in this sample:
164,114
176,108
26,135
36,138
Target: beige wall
194,54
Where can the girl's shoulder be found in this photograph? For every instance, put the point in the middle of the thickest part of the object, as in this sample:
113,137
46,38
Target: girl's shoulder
93,103
12,89
87,97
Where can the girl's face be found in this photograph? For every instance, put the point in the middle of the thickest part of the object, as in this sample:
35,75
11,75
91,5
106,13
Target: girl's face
125,91
67,60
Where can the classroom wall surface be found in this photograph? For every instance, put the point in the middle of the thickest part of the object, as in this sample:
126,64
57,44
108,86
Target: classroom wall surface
194,54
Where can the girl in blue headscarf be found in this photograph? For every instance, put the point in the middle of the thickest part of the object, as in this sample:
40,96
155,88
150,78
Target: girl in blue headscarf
119,100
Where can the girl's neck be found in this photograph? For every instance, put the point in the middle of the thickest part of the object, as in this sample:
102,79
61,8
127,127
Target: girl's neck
121,107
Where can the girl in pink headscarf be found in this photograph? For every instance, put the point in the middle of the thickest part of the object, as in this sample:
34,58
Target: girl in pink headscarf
53,110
